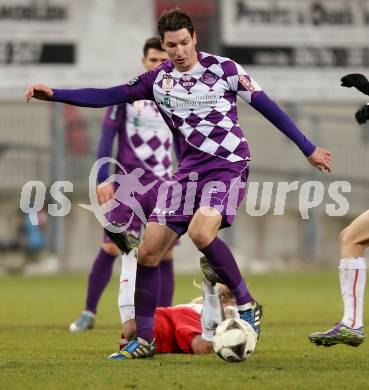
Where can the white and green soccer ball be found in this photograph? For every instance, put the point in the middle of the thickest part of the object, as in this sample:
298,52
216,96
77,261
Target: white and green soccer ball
234,340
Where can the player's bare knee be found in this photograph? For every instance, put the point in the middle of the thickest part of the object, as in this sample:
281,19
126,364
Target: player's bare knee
110,248
148,256
346,238
349,243
199,237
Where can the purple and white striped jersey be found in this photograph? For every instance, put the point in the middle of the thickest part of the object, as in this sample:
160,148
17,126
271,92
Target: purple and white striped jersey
200,106
144,140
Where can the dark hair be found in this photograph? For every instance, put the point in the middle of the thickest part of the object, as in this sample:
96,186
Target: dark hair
152,43
174,20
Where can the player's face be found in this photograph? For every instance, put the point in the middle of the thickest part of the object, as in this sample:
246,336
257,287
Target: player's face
181,48
154,58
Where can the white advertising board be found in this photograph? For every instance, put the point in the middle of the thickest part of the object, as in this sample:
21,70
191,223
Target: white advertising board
298,49
71,43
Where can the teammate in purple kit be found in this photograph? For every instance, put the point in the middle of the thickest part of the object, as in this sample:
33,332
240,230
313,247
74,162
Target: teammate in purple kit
196,93
144,144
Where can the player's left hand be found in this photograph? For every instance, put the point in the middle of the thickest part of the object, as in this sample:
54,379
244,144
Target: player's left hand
321,159
362,115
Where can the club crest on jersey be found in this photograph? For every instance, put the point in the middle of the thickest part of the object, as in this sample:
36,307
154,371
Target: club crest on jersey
167,82
209,78
246,83
187,81
133,81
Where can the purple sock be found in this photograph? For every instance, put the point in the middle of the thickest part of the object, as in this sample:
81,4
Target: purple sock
166,283
223,263
99,278
146,300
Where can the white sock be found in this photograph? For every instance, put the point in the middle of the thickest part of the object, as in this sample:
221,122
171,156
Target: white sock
352,273
211,315
127,286
208,288
246,306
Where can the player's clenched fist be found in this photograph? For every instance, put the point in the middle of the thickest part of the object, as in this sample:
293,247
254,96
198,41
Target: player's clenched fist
321,159
39,91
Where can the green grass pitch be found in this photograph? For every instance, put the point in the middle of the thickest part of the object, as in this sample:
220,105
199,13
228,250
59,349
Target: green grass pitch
38,352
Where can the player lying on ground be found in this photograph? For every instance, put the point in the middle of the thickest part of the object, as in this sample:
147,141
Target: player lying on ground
354,239
187,328
144,141
180,328
196,93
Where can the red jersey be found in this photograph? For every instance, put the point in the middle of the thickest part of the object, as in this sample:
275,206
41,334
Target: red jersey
175,327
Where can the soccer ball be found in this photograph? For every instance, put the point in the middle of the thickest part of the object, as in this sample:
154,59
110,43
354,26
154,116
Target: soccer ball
234,340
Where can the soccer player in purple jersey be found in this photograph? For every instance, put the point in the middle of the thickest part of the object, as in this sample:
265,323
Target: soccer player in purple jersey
354,239
196,93
144,140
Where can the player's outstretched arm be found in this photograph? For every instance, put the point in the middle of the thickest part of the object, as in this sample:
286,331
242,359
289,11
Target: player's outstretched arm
356,80
318,157
275,115
362,115
321,159
85,97
139,88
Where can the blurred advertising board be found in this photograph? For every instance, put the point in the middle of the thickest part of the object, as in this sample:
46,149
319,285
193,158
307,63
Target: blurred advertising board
68,43
298,49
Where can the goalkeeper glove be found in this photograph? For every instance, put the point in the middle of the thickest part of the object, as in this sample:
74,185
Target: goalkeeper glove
357,80
362,115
